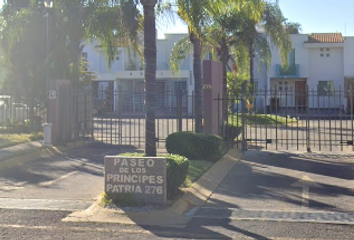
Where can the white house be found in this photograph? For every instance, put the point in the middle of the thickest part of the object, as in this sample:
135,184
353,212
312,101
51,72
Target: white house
123,84
321,63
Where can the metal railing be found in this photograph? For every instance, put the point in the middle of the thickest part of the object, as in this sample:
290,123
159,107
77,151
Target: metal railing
292,120
119,116
20,116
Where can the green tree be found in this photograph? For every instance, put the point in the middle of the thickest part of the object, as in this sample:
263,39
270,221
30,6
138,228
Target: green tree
150,74
215,25
274,24
193,13
120,28
293,27
22,40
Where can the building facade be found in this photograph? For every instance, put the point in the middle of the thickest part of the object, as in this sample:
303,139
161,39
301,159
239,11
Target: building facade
122,85
321,66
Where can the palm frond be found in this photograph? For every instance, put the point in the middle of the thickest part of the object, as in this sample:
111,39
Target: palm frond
179,52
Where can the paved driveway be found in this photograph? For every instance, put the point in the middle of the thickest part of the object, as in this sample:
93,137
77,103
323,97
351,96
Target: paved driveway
286,186
67,181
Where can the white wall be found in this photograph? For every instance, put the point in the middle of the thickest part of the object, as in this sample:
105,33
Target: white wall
97,60
301,55
349,56
326,68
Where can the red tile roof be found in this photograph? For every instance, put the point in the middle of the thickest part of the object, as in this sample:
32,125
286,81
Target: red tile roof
325,38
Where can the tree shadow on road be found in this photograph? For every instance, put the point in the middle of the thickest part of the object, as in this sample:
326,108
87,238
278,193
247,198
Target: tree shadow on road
326,167
269,189
202,229
87,159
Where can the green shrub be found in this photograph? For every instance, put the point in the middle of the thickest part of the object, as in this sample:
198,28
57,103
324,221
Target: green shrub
176,171
196,146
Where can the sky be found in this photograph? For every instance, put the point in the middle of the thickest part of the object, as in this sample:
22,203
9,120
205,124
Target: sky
315,16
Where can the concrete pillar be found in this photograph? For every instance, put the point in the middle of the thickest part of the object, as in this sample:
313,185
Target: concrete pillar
47,130
212,95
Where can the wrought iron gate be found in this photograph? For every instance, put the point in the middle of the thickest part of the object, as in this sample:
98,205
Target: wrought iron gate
292,120
119,116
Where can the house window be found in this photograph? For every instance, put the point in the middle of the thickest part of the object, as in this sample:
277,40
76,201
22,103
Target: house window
325,88
325,52
181,55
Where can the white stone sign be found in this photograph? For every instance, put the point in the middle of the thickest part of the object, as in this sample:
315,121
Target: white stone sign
143,177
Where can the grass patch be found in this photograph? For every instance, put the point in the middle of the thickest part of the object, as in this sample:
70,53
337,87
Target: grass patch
7,140
195,171
261,119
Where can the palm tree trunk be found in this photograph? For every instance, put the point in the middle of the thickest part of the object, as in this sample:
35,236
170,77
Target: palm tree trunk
250,53
150,75
224,57
198,85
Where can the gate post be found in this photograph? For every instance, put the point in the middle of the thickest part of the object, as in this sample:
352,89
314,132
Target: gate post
243,120
308,146
179,108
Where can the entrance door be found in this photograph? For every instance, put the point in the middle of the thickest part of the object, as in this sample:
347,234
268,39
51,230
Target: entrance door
350,96
300,94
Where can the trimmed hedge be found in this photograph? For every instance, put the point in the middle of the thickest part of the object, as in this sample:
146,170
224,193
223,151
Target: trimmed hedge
196,146
176,170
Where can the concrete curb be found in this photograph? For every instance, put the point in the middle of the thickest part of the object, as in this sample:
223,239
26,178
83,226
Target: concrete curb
195,196
31,155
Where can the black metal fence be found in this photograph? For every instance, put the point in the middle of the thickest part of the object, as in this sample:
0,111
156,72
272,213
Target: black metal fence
291,120
20,116
119,116
82,115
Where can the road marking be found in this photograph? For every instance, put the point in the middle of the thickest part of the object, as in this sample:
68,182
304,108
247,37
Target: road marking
44,204
236,214
75,228
137,231
48,183
10,188
111,230
305,183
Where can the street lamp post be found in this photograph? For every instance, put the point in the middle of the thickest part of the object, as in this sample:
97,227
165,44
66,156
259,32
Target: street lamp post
47,5
47,127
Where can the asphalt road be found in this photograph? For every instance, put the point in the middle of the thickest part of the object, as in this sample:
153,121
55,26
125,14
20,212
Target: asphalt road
277,180
30,224
66,180
263,182
296,192
324,135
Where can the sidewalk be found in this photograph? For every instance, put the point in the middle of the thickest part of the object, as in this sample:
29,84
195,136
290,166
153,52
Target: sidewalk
19,149
176,215
285,186
26,152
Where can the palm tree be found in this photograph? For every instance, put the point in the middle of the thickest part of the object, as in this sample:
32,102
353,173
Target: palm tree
224,36
293,27
108,26
210,23
274,25
150,74
193,13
